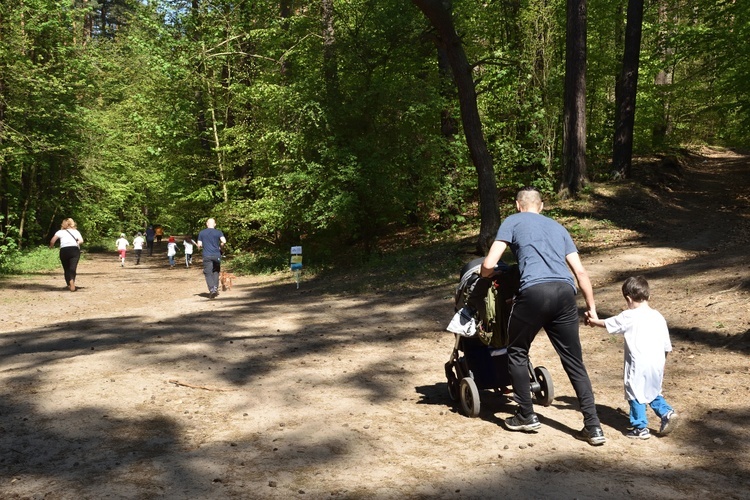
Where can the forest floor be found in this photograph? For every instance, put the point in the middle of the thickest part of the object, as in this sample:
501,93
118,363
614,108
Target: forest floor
139,386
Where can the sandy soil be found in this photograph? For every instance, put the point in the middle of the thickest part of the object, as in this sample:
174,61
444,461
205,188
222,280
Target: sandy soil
139,386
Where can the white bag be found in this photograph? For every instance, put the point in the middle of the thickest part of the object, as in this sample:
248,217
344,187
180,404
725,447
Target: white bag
463,323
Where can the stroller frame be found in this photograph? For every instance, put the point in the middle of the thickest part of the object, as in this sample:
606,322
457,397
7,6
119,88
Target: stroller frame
467,374
474,366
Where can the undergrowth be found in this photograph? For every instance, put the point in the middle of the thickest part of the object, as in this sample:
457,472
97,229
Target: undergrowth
31,261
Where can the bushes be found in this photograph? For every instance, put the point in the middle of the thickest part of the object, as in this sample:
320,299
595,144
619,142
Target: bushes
29,261
8,248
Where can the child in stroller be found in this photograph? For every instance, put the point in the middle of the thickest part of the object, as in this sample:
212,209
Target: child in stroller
479,359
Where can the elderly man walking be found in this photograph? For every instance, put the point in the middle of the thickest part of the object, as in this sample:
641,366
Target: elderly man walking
211,241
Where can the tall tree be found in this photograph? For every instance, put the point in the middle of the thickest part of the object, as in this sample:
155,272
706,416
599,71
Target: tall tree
39,123
440,16
4,63
663,79
622,151
574,114
330,63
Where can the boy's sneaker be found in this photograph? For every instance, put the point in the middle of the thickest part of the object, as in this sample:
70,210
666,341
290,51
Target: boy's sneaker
668,423
638,433
593,435
520,423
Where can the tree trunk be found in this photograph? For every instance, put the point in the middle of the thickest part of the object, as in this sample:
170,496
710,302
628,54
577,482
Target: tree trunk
661,127
213,100
330,63
3,177
622,150
88,24
438,12
4,208
448,122
619,41
30,182
285,12
198,95
574,112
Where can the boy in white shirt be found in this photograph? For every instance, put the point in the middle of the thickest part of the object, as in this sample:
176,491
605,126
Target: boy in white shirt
646,347
188,243
138,243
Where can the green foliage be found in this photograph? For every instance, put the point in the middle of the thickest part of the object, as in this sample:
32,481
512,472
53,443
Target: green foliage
169,113
8,248
37,259
38,113
404,265
266,261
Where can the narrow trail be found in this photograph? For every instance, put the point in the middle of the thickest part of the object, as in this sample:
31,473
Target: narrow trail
696,211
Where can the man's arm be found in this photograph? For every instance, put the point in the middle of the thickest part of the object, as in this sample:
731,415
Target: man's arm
584,283
493,257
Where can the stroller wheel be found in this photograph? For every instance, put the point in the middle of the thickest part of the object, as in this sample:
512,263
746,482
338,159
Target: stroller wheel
546,392
469,397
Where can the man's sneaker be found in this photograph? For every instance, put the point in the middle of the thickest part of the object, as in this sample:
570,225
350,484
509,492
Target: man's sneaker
638,433
668,422
593,435
520,423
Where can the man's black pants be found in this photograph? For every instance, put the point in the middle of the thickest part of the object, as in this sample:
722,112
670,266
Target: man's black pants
551,306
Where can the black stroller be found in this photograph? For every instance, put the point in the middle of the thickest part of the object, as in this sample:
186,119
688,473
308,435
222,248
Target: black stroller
480,359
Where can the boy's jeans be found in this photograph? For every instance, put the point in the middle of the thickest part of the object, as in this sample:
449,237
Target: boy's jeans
638,417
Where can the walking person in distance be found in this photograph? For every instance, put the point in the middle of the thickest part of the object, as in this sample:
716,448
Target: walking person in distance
188,243
138,243
171,251
211,241
150,235
122,245
70,250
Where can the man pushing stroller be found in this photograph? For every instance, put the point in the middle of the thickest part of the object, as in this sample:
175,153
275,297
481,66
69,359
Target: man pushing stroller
546,299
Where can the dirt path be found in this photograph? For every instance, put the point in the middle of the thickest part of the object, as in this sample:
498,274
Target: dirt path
138,386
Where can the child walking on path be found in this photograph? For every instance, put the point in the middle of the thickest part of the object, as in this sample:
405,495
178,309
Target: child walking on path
138,242
646,347
122,246
171,250
188,243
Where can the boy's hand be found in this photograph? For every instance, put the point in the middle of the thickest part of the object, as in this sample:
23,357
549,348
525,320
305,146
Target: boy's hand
592,319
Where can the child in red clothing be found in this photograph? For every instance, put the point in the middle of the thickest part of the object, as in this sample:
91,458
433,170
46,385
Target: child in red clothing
122,246
171,250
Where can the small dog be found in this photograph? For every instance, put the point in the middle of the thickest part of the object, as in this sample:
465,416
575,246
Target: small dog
226,280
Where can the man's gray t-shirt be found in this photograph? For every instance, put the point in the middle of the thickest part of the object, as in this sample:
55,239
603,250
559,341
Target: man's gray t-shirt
210,239
540,245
